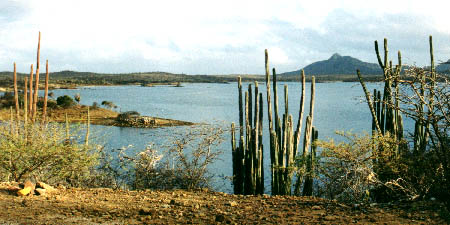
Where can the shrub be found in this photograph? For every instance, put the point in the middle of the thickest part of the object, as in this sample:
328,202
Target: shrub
127,115
347,170
44,152
65,101
95,105
109,104
180,162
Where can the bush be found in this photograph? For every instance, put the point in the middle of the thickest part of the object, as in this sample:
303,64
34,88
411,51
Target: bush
45,153
127,115
51,104
109,104
95,105
180,162
65,101
347,170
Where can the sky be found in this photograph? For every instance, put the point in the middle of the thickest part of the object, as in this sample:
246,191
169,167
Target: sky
215,37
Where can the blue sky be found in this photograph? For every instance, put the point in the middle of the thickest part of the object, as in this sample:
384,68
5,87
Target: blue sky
214,37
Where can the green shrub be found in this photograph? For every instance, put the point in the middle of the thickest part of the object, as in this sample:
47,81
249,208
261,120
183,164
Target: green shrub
45,153
65,101
127,115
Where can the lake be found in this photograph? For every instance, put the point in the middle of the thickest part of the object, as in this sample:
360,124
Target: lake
338,106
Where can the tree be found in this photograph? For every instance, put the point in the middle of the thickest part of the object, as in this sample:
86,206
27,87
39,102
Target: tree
109,104
65,101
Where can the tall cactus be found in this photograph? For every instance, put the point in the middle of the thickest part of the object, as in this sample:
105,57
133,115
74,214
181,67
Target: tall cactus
36,88
16,93
248,175
44,109
386,106
30,102
248,171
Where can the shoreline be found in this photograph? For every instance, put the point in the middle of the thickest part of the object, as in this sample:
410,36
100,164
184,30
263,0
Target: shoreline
100,116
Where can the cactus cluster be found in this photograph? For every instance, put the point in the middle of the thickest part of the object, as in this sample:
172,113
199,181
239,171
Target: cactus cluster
31,98
385,108
248,171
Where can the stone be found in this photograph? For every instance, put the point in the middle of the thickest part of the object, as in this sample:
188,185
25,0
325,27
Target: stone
45,186
41,191
24,191
330,218
231,203
316,207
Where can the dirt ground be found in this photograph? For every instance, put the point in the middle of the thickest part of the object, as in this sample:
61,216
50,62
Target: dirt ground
107,206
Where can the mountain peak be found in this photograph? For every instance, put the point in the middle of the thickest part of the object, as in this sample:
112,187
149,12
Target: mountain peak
335,56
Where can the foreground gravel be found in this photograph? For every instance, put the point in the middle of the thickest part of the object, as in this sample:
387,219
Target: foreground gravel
107,206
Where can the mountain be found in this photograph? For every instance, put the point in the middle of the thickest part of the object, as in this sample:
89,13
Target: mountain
338,64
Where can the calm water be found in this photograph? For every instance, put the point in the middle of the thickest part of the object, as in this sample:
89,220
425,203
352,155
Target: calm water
338,107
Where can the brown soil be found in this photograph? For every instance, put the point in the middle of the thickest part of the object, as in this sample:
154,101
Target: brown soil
107,206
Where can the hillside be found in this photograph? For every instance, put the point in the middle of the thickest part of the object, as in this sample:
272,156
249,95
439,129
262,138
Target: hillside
336,68
444,67
337,65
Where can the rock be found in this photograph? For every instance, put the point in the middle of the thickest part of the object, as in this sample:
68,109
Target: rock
231,203
41,191
45,186
24,191
330,218
316,207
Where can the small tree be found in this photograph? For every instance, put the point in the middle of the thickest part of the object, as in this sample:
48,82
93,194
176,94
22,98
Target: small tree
65,101
109,105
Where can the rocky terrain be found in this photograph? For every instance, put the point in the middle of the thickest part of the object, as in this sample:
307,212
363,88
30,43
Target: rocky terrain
107,206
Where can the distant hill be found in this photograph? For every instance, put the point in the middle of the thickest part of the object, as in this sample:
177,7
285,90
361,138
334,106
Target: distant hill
338,64
444,67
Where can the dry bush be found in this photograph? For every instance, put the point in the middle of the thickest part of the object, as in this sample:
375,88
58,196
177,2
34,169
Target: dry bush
45,153
180,161
346,170
183,162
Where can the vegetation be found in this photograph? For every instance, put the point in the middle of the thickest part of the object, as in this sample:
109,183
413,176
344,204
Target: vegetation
345,171
109,105
34,148
391,164
248,171
65,101
423,97
179,161
45,153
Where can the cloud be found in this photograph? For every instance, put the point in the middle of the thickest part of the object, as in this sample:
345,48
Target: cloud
213,37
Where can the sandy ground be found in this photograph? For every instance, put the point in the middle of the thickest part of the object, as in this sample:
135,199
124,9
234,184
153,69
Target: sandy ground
107,206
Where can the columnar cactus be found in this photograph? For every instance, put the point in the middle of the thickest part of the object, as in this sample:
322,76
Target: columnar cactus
248,171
